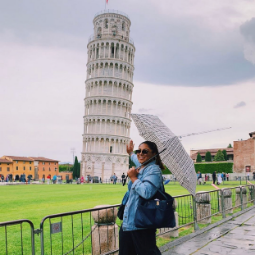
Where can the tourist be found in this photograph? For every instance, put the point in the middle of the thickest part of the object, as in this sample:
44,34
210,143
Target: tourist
82,179
133,240
114,177
54,179
48,179
123,177
248,176
43,180
199,178
227,175
254,176
219,179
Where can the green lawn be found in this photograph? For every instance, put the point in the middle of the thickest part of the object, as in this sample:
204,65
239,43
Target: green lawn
34,202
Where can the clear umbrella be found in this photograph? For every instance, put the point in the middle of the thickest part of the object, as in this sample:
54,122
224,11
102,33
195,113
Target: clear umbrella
174,156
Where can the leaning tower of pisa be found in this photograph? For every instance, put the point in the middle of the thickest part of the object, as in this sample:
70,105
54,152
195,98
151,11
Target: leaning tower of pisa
108,99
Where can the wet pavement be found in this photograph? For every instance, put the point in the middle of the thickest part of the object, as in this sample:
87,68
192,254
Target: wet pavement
234,237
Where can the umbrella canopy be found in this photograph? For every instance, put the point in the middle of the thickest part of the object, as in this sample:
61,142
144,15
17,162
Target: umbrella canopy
175,157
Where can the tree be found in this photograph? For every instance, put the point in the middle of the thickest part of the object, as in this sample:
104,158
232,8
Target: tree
199,158
66,167
208,156
225,154
76,168
219,156
230,146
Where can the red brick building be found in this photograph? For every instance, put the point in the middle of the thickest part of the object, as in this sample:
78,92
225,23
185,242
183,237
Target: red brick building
230,153
244,155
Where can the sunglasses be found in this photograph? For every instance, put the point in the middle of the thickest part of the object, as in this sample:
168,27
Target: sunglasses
144,151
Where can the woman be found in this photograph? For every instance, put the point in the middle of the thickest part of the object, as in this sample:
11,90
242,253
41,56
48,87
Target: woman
219,178
135,240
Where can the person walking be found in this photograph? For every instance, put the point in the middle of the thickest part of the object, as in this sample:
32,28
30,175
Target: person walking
133,240
123,177
227,176
214,177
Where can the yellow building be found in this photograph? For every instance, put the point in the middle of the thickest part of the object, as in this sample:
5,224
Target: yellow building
6,168
21,165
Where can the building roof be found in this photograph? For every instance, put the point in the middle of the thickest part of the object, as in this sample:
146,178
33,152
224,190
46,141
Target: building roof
4,161
44,159
19,158
252,133
212,151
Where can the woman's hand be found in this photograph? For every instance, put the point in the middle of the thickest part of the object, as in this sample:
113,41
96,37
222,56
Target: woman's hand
130,147
132,174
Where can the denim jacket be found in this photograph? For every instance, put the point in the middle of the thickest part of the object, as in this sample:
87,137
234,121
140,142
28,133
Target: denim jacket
150,172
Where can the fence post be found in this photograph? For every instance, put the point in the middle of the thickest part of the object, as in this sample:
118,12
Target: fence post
106,237
196,227
203,200
241,196
222,204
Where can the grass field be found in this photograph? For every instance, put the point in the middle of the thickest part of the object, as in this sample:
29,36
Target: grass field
34,202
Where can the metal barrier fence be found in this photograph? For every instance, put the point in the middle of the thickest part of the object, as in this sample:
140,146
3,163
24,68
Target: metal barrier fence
24,237
96,231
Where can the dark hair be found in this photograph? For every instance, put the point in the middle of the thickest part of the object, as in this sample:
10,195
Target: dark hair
154,149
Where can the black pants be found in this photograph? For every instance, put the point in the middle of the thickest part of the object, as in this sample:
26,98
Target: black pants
141,242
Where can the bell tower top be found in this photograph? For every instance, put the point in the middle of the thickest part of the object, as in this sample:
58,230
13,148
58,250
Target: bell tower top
112,24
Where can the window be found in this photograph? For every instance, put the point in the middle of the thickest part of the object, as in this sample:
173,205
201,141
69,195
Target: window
56,169
49,168
30,168
43,169
106,23
49,163
24,168
123,26
110,149
43,163
8,169
0,169
17,168
24,162
0,163
16,162
55,163
30,162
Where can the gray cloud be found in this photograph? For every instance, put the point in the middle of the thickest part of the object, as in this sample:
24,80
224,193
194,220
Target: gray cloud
183,49
240,104
248,32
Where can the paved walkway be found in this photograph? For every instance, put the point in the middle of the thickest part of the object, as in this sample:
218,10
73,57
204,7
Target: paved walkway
234,237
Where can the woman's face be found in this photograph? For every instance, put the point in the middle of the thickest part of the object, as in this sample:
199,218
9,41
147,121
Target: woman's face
143,156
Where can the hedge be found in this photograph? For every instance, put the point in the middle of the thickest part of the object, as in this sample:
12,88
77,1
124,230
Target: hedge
209,168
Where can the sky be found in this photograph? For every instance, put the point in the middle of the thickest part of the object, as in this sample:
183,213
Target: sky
194,68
